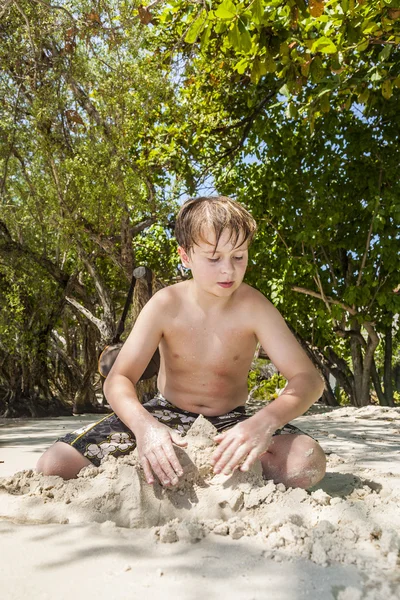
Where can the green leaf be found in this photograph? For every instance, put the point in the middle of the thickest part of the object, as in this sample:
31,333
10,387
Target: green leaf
363,45
205,37
317,70
226,10
369,28
325,104
234,36
387,89
285,91
363,97
324,45
385,53
196,28
241,66
257,71
245,38
257,11
270,64
291,111
376,76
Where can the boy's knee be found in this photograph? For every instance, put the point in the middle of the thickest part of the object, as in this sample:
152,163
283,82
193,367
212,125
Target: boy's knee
302,462
310,463
61,460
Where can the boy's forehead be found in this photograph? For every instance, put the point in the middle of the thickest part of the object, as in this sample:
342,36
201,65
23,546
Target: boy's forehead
226,241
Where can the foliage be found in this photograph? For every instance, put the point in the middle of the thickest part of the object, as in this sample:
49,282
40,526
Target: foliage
292,108
315,53
266,389
78,86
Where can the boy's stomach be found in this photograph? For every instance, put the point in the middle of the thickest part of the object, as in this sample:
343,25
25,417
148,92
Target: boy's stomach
204,394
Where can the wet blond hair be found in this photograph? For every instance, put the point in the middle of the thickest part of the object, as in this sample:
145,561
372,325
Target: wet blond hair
218,213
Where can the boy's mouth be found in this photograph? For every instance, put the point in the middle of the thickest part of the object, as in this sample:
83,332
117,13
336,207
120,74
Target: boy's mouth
225,284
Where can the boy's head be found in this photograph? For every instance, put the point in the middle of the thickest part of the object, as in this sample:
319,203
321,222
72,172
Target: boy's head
200,217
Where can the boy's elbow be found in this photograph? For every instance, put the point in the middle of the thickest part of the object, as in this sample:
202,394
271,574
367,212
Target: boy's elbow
108,385
318,385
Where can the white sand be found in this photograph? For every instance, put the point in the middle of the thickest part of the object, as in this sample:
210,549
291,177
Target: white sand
115,536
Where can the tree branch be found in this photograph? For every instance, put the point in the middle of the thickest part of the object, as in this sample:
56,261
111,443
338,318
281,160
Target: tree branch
302,290
364,258
101,326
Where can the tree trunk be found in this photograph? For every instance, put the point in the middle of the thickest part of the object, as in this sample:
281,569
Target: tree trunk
85,397
357,360
377,385
328,397
387,368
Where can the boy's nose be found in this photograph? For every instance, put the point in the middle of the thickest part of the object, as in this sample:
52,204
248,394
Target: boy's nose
226,268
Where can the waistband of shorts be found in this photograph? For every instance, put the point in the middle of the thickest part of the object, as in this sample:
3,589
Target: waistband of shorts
239,409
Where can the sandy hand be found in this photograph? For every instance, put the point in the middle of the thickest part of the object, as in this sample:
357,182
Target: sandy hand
244,443
156,452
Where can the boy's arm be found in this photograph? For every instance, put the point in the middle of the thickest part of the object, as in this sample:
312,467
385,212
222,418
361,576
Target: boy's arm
154,440
248,440
305,385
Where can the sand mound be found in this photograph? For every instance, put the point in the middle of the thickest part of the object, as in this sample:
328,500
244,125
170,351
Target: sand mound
350,525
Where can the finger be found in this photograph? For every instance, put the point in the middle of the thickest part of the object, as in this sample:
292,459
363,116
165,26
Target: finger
165,465
147,470
220,436
250,460
220,450
241,452
174,462
178,440
226,456
157,469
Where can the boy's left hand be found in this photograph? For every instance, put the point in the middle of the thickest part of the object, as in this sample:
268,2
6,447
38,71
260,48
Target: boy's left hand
244,443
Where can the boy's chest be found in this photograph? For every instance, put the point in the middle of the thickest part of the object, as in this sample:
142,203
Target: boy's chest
218,343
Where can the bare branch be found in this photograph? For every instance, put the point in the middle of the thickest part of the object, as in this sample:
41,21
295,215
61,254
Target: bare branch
30,38
5,7
101,291
334,280
319,282
345,307
101,326
364,258
53,7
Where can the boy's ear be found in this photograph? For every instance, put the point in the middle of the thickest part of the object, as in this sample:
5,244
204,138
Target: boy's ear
184,257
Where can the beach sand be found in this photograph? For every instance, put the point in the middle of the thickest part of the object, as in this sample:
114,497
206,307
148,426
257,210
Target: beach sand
108,534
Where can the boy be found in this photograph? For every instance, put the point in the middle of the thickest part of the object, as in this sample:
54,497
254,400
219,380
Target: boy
207,329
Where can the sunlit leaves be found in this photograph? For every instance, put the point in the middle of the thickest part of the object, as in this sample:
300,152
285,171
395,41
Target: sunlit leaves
305,45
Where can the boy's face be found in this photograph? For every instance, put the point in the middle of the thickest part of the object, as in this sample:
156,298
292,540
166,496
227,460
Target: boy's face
219,273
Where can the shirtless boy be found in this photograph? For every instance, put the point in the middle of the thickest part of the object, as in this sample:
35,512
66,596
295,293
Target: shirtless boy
207,329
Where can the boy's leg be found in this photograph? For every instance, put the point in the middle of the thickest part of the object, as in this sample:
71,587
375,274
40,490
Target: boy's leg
63,460
296,460
293,458
89,445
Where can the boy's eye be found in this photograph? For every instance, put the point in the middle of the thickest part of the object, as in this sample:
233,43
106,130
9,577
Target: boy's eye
217,259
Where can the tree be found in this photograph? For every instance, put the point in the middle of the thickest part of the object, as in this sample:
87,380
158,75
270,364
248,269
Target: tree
271,92
78,85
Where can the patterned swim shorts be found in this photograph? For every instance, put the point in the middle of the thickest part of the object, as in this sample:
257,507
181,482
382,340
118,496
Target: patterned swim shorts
111,436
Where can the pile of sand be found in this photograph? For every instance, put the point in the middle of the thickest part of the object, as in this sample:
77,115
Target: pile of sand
355,529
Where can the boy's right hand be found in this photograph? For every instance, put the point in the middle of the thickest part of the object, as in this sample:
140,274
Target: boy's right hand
156,452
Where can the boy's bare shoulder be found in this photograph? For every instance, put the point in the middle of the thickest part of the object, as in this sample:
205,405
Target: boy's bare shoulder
169,296
250,295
